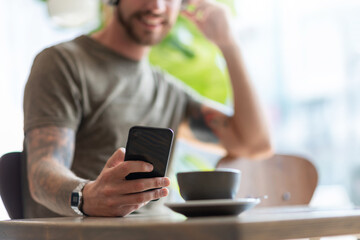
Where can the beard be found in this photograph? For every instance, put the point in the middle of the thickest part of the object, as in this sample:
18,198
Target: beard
142,37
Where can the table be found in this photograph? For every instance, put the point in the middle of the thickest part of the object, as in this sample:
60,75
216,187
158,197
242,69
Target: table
258,223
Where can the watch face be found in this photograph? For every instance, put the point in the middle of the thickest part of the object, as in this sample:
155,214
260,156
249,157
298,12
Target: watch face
75,199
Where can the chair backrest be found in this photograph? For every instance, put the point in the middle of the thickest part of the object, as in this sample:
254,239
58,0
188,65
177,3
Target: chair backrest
284,179
10,184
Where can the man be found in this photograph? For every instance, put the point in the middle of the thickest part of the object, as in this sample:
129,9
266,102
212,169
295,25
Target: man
83,96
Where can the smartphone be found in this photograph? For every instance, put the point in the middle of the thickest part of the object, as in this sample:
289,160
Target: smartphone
152,145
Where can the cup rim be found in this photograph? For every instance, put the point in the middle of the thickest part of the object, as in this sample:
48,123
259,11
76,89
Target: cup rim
221,170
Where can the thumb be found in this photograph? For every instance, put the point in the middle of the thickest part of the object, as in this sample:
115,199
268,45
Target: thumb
117,158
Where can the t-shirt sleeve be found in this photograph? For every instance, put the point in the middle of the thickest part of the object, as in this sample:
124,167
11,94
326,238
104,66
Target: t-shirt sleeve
51,94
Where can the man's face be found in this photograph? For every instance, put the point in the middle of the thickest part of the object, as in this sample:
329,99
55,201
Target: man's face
147,21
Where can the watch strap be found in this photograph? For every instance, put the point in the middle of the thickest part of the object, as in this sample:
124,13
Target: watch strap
76,199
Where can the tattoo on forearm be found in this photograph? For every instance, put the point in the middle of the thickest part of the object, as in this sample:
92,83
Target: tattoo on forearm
48,149
59,142
214,121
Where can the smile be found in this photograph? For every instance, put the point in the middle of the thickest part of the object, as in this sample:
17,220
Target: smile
152,21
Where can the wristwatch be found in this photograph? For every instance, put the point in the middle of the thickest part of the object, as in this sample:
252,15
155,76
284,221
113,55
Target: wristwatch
76,199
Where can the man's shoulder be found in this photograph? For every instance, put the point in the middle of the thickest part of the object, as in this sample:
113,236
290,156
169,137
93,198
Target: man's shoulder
66,51
74,45
70,46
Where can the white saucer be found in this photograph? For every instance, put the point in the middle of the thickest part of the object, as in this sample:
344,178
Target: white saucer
221,207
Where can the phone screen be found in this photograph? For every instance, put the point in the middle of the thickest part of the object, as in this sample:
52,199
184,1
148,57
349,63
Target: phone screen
152,145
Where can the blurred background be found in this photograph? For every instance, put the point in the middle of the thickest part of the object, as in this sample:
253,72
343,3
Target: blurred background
303,57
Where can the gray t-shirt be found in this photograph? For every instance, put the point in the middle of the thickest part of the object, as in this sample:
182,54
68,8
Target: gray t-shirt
100,94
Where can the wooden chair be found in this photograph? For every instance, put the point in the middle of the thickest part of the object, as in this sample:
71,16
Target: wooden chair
284,179
10,184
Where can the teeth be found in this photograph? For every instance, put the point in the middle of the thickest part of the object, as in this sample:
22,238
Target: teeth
151,21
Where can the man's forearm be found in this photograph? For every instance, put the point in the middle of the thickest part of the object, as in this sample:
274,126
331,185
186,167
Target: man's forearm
247,120
49,156
244,134
51,186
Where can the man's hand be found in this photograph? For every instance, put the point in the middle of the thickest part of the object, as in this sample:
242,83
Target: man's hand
212,19
112,195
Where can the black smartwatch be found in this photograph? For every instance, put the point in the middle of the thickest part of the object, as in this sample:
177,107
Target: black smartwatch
76,199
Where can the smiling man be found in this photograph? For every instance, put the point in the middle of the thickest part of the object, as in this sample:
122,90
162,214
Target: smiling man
83,96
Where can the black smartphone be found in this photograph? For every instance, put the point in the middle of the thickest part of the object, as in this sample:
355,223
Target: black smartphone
152,145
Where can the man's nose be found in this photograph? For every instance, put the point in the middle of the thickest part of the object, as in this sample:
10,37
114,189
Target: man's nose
158,6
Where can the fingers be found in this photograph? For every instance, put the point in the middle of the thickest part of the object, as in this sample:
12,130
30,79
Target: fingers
111,194
212,19
117,158
133,202
192,7
193,11
143,198
126,204
120,168
122,198
116,178
141,185
201,11
127,167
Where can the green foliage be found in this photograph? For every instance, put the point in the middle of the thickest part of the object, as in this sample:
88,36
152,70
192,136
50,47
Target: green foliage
188,55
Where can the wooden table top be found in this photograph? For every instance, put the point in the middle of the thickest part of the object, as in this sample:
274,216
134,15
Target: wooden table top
258,223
